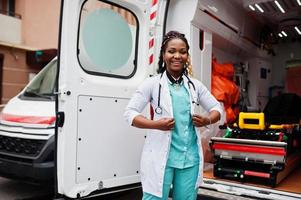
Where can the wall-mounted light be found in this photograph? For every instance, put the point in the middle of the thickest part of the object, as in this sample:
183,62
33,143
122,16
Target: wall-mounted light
251,7
298,30
13,52
259,8
299,2
284,33
279,6
280,35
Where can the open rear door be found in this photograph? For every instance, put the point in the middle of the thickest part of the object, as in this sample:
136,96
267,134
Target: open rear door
104,55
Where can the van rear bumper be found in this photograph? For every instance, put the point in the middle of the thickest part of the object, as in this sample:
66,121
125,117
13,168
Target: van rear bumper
33,172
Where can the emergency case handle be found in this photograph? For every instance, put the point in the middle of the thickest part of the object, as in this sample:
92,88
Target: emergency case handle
253,121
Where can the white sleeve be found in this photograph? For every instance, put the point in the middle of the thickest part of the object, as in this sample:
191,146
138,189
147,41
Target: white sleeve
139,100
207,100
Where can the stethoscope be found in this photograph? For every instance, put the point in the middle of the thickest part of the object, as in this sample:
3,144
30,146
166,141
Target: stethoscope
158,110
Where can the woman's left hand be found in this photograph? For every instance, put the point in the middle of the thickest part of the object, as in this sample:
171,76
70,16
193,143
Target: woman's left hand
200,121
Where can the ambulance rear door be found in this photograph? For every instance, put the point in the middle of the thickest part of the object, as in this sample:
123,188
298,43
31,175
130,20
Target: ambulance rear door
107,48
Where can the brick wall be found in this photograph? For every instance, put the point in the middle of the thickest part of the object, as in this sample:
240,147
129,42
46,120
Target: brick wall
15,72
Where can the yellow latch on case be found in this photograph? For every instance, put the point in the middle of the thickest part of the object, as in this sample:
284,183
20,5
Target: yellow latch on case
251,121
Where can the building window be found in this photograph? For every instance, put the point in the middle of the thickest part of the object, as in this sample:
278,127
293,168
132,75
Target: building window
7,7
11,8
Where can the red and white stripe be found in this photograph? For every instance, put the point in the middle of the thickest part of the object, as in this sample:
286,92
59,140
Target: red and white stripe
48,120
153,12
153,18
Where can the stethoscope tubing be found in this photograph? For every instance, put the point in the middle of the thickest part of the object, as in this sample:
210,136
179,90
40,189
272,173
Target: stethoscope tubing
158,110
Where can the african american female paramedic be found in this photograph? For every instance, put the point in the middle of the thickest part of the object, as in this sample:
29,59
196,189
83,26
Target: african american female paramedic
172,153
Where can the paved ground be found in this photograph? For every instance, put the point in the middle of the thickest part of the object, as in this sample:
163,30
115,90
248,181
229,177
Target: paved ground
16,190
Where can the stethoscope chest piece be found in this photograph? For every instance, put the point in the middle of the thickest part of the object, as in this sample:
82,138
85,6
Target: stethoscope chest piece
158,110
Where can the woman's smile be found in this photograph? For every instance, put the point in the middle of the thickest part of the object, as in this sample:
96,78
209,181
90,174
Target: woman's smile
177,63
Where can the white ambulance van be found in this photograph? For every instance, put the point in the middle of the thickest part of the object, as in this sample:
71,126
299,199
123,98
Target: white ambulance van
107,48
27,127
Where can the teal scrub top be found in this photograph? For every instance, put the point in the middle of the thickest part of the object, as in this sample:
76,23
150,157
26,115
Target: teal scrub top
183,152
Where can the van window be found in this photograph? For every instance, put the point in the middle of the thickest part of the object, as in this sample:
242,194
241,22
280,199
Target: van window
107,39
42,86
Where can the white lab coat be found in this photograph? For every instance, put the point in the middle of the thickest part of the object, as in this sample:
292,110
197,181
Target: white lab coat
156,147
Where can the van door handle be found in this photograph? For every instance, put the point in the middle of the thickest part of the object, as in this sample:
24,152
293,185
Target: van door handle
60,119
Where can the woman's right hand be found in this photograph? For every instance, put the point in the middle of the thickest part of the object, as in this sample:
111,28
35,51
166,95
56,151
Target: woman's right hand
165,124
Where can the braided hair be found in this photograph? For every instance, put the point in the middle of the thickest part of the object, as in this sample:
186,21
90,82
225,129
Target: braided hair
167,37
